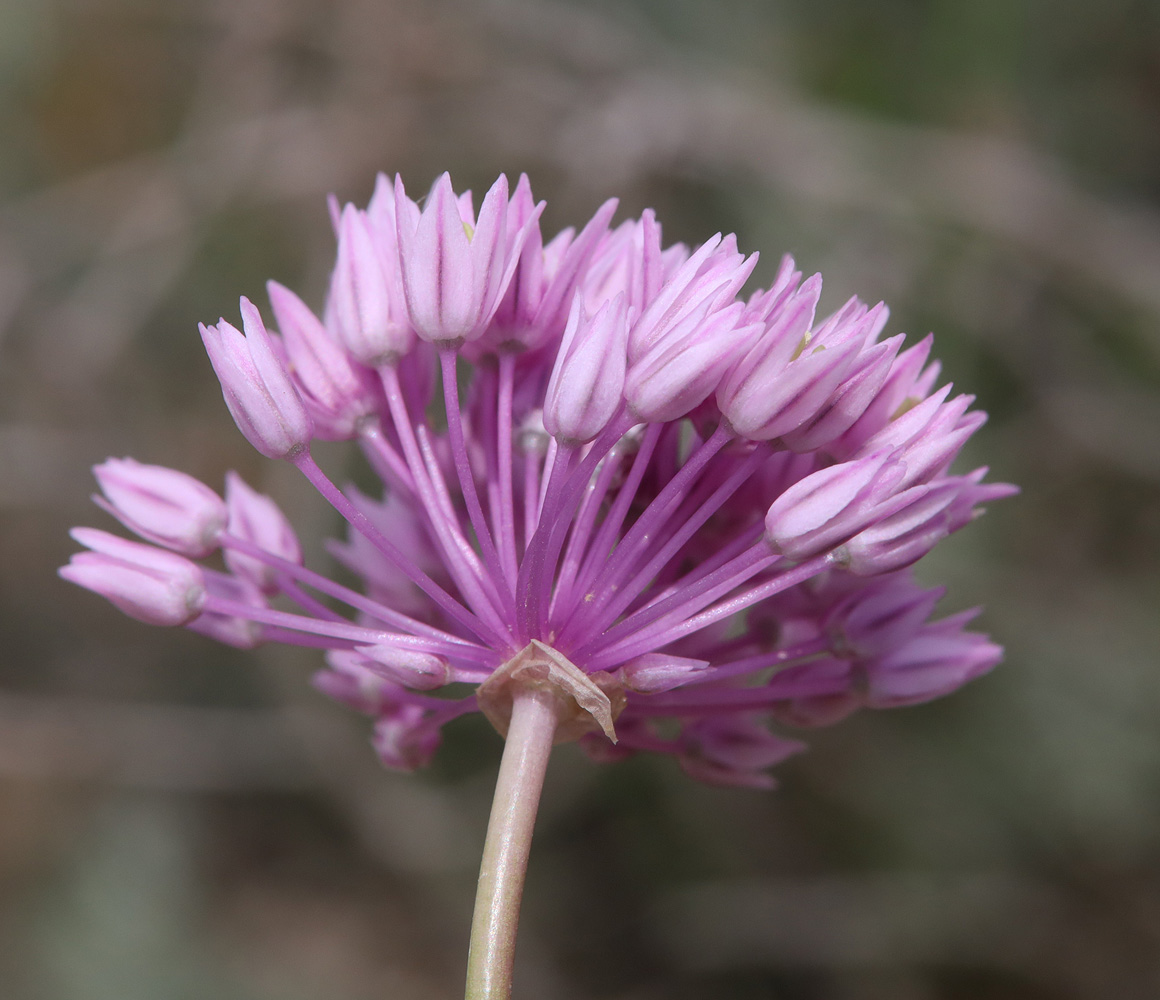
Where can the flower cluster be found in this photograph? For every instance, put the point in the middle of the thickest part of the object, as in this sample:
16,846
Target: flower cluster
705,504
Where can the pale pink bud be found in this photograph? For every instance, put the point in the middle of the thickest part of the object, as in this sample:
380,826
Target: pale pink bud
255,518
930,435
655,673
793,382
909,381
778,404
535,307
564,267
690,334
938,660
684,367
930,453
586,386
628,260
733,750
406,738
705,283
350,681
818,693
881,615
831,505
763,304
145,582
514,316
260,396
743,393
849,401
162,505
964,508
364,299
456,268
338,394
905,427
381,216
905,536
411,668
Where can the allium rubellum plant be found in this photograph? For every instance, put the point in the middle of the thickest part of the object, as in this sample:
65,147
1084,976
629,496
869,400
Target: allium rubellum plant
621,502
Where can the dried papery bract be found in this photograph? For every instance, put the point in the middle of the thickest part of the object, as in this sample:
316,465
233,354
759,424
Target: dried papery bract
584,702
649,514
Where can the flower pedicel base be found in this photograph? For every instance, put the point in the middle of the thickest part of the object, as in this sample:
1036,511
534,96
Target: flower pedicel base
654,500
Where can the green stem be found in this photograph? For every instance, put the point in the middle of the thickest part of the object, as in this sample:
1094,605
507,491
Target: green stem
509,838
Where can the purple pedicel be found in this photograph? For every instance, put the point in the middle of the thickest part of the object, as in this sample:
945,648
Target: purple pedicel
703,506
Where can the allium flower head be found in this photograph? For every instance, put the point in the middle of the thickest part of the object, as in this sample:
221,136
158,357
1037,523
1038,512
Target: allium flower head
690,513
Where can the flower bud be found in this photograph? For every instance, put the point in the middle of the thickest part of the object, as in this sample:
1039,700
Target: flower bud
456,268
586,386
702,286
255,518
680,370
535,307
940,659
145,582
338,395
655,673
162,505
406,738
908,382
929,435
818,693
260,396
749,394
366,300
733,750
778,403
350,681
629,260
880,615
849,400
411,668
832,505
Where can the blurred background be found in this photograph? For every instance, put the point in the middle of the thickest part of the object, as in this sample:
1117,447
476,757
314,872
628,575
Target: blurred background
179,820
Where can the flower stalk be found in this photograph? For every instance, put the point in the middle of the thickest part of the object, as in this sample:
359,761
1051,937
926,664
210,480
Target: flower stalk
509,838
537,698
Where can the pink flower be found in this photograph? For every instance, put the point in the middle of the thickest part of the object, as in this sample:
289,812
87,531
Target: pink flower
366,292
691,513
336,391
257,389
937,660
456,268
256,520
147,583
586,387
162,505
